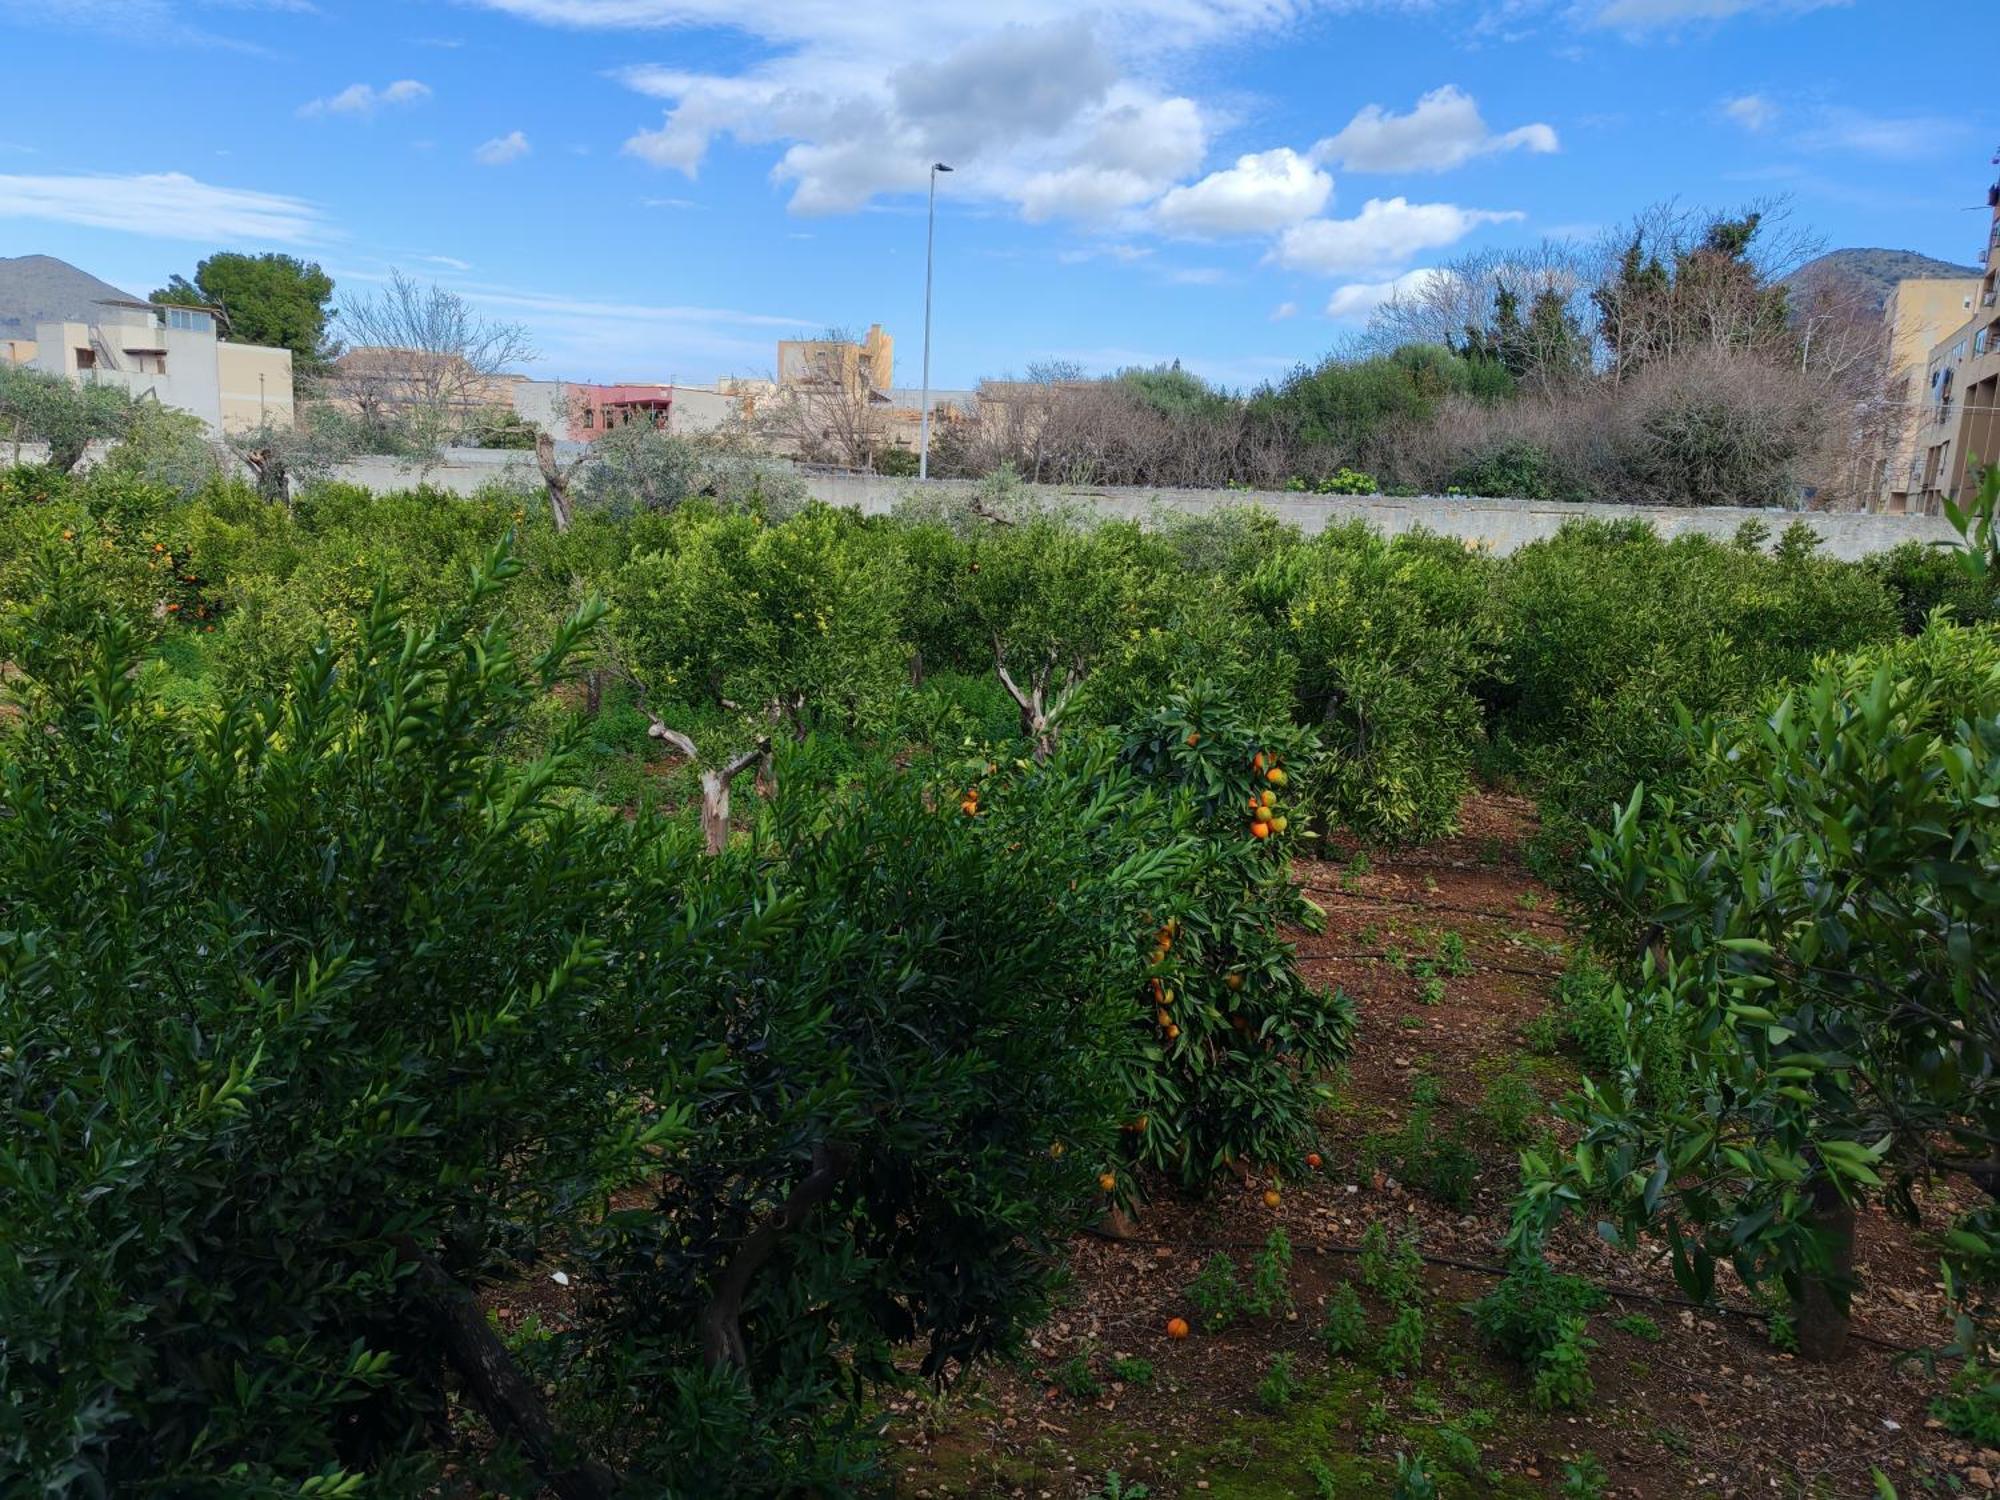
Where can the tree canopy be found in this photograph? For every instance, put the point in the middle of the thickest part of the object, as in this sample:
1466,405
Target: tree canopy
275,300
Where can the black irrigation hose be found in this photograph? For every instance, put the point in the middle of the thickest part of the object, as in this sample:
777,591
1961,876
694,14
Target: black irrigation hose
1487,1268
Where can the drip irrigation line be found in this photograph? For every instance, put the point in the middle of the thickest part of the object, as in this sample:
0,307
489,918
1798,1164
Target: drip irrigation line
1487,1268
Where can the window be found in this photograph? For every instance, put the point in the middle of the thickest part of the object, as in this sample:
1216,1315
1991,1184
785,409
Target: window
190,320
86,359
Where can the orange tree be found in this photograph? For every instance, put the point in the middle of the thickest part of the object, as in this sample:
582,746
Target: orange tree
910,1099
1812,904
1223,1048
318,1015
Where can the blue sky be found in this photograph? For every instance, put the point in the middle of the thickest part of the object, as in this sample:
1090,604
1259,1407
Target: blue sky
660,189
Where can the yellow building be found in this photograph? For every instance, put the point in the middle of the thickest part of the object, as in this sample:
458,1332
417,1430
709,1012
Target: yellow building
1960,437
852,369
1919,313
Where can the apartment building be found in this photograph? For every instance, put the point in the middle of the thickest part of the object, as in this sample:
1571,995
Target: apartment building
849,368
1961,390
1918,315
87,331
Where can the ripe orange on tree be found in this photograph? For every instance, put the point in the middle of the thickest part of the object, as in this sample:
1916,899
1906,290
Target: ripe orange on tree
1260,829
1107,1180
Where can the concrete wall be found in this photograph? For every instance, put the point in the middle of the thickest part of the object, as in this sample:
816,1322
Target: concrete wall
1500,525
246,400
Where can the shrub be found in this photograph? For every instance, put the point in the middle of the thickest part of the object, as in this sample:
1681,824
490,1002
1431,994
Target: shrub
1280,1387
1389,637
1523,1316
1401,1351
1270,1290
1344,1332
335,1016
1233,1045
1806,960
1562,1371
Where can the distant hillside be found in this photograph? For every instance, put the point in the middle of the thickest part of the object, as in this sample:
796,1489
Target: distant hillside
1876,272
41,289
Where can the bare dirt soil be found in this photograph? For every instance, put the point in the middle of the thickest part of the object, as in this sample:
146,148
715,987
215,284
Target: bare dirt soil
1688,1401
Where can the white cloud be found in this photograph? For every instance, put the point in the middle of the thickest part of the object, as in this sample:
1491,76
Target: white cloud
1122,253
1386,234
451,261
1893,138
1054,107
1261,194
362,100
1359,299
1283,311
1197,276
502,149
586,338
1660,15
171,205
1445,130
1754,112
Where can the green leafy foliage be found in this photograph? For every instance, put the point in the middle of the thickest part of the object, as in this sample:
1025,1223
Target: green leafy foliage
1401,1351
1413,1479
1583,1478
1215,1293
1279,1387
1344,1330
1562,1371
276,300
1819,880
1270,1292
1388,637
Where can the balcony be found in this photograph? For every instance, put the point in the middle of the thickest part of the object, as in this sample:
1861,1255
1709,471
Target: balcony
1988,299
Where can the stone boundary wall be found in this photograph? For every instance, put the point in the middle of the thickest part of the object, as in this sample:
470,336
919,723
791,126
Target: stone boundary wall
1500,525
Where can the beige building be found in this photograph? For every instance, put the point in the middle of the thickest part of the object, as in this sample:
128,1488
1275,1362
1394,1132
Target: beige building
1960,436
1918,315
835,364
169,354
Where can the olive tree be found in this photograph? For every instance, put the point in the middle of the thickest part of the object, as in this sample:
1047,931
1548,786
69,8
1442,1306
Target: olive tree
37,407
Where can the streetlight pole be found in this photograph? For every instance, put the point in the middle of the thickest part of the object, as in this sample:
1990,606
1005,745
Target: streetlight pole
930,238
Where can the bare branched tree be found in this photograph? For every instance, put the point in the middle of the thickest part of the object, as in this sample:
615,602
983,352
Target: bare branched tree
422,362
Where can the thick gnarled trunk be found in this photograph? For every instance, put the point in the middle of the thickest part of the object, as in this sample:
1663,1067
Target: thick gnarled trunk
715,782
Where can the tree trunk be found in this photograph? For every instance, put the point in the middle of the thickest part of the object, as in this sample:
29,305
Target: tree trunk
554,480
714,782
65,455
715,811
1821,1304
497,1386
721,1321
